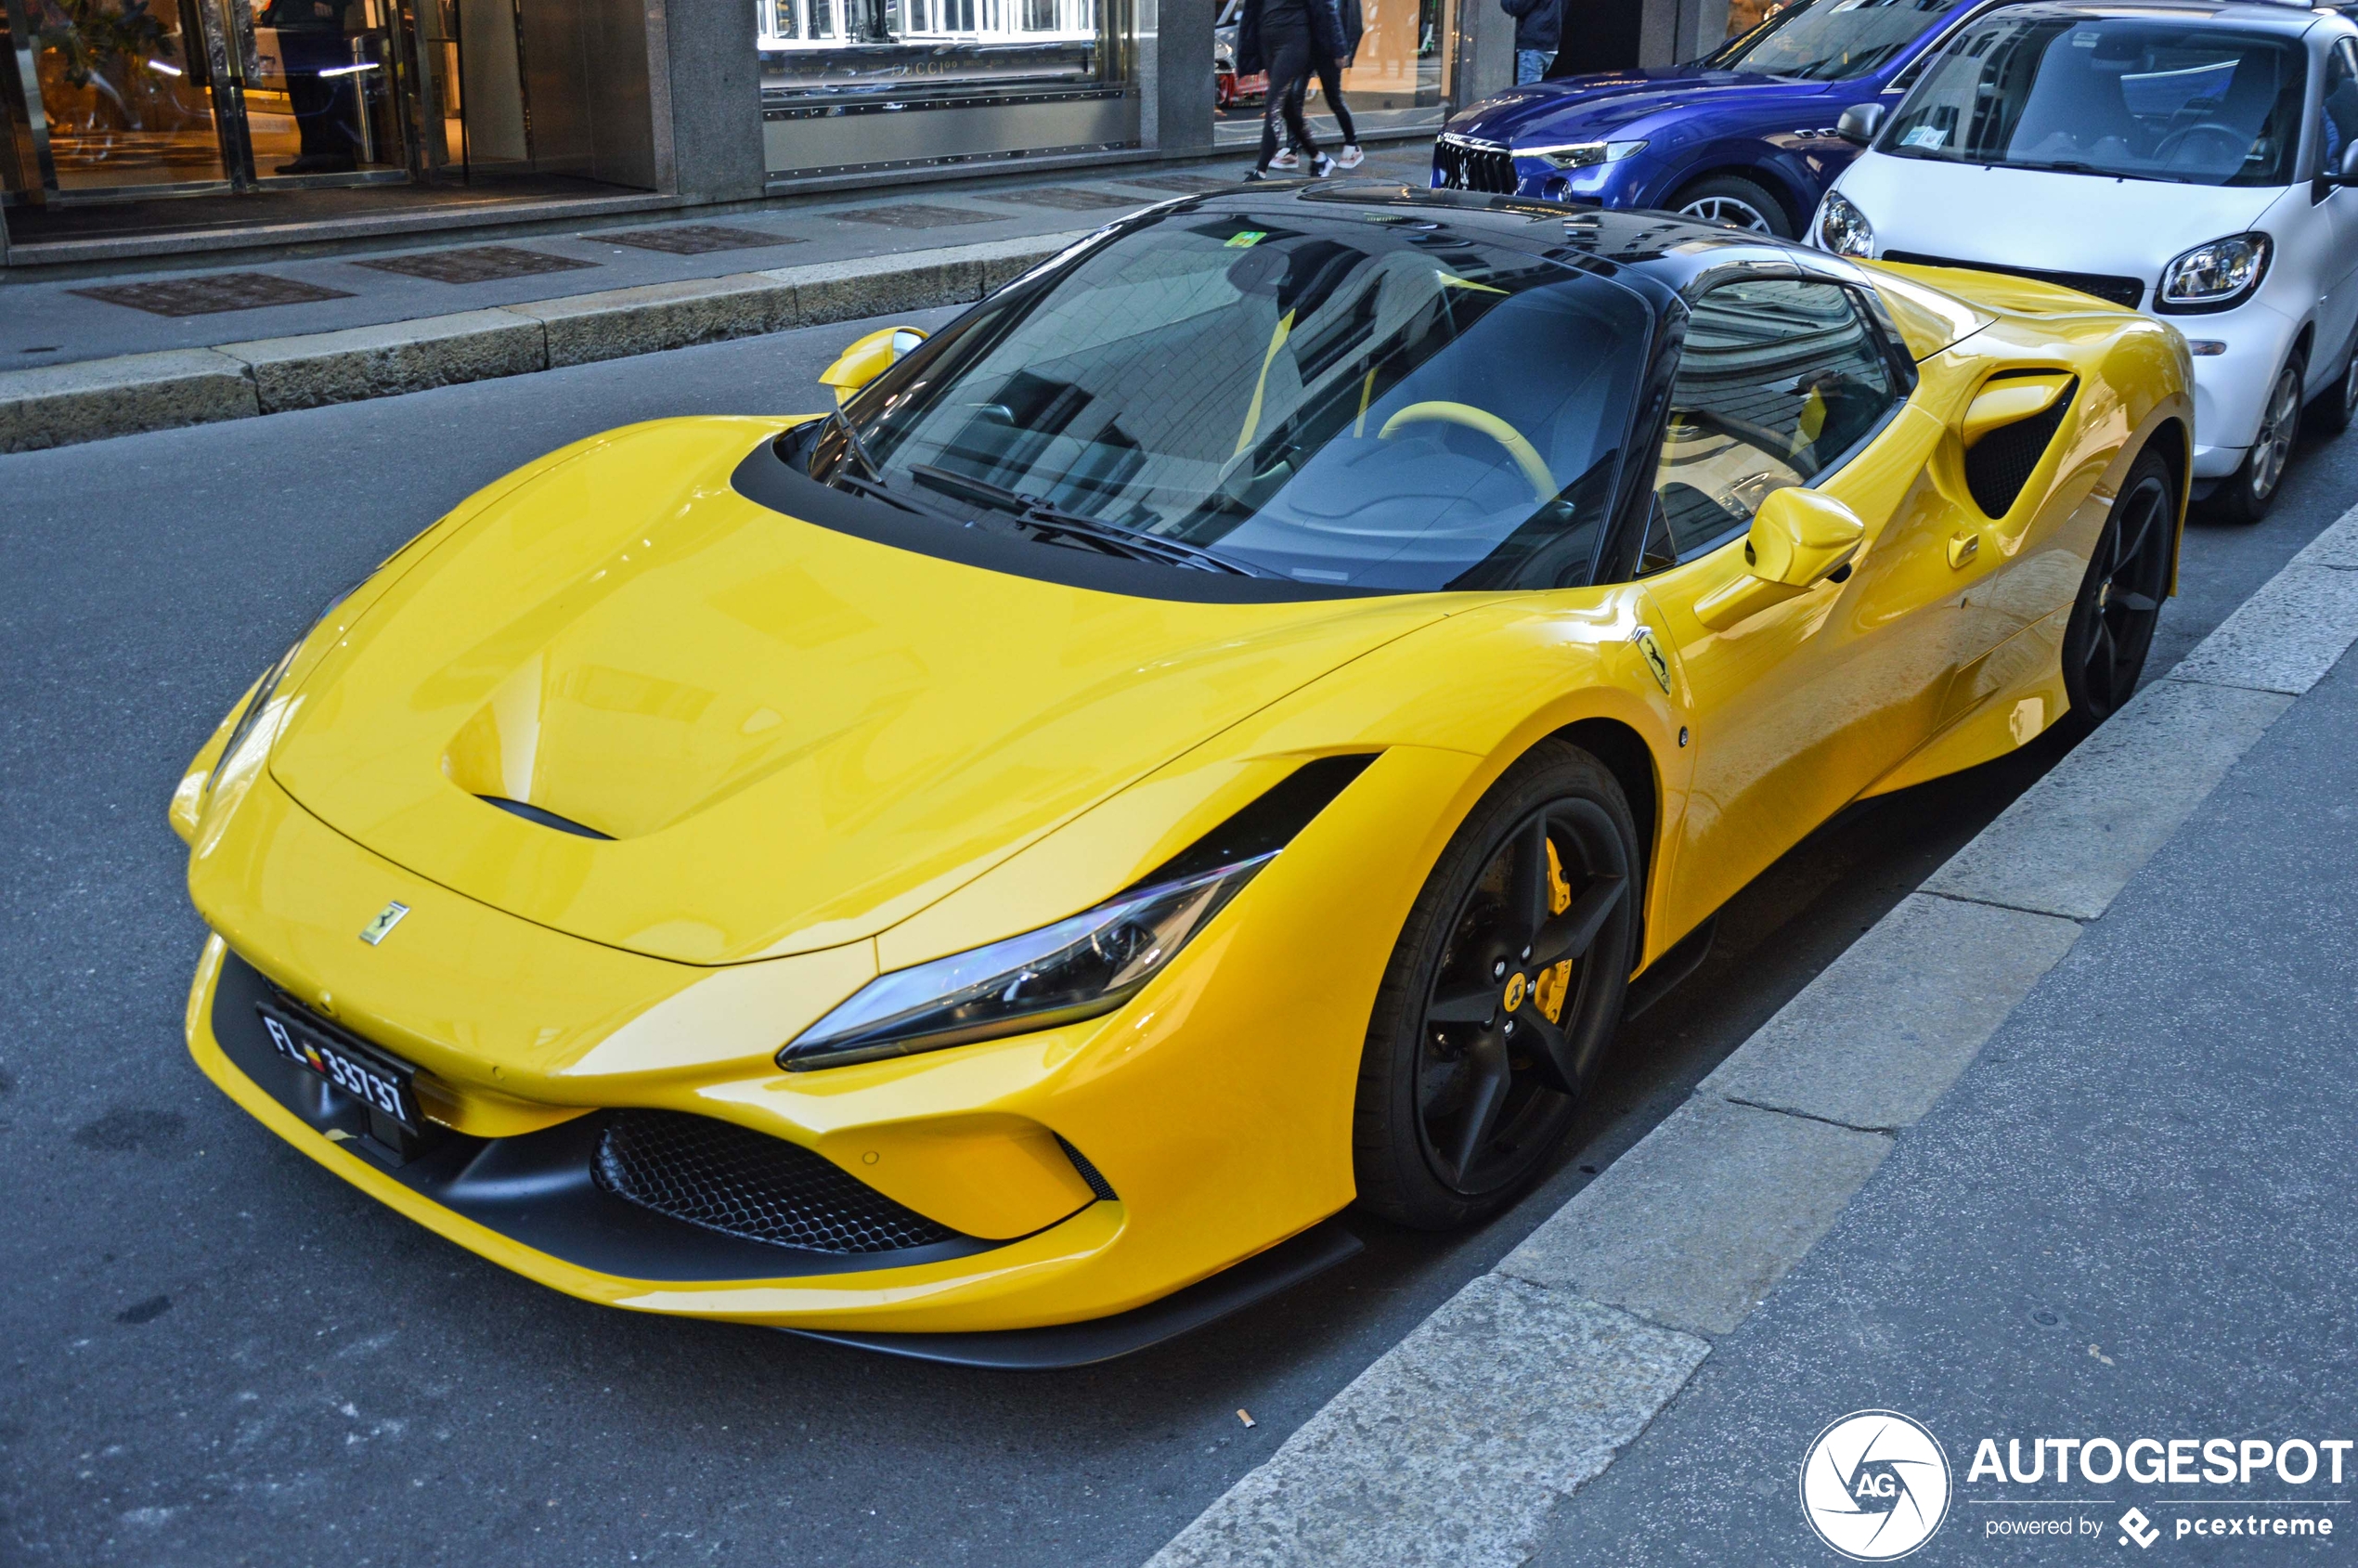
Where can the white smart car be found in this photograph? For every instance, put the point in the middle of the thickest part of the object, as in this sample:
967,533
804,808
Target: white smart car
2196,161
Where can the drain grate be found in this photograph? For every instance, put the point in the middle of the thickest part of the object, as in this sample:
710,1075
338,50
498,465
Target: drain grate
476,263
1065,198
203,296
695,238
918,215
1186,185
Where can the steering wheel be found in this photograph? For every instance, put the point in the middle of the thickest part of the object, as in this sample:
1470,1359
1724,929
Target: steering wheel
2237,141
1527,456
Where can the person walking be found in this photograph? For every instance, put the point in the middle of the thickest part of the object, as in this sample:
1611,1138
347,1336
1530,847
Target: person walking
1538,33
1283,37
1330,70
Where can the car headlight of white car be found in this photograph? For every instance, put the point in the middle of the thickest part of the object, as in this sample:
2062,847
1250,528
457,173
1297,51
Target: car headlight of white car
2218,276
1843,228
1582,154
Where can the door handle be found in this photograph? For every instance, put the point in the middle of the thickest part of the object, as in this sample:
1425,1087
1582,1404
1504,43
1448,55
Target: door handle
1963,548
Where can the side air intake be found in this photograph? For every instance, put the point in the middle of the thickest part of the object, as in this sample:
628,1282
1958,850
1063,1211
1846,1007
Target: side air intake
1999,465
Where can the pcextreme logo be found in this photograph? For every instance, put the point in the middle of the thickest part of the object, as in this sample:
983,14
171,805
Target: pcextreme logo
1874,1485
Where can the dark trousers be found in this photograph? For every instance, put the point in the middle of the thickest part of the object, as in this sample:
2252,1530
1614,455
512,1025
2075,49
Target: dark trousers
1288,51
1330,76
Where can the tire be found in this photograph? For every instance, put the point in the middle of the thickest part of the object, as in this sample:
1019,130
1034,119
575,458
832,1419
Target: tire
2111,627
1735,202
1467,1085
2331,413
2247,495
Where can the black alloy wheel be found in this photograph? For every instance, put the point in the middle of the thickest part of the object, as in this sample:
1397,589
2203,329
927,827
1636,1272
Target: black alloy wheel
2245,495
2112,623
1504,992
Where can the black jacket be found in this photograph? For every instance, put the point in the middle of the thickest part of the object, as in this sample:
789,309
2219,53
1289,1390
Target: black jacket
1335,28
1538,23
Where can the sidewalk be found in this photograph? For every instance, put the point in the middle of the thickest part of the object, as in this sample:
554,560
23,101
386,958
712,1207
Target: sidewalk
85,358
2058,1149
59,321
2131,1218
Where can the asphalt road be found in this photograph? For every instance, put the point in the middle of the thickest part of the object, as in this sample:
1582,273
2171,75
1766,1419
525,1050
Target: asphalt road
211,1352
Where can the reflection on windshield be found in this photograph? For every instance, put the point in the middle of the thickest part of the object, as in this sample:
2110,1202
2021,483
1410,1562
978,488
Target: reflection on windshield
2133,99
1379,404
1830,40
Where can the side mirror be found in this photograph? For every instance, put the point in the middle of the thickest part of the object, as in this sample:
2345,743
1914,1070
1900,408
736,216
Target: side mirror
1860,123
1799,539
868,358
2347,172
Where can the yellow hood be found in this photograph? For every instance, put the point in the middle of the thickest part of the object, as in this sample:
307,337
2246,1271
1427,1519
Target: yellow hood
793,737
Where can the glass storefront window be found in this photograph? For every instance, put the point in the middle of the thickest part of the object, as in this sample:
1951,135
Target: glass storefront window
826,48
1399,76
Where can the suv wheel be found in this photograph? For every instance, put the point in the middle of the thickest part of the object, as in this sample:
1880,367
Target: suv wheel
1736,202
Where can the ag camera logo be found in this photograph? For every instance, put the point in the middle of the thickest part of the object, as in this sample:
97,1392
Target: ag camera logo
1874,1485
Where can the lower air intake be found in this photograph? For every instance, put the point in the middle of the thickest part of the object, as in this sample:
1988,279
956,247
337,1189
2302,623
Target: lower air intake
734,1180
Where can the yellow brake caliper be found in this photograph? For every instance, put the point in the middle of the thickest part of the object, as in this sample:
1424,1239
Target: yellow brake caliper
1548,991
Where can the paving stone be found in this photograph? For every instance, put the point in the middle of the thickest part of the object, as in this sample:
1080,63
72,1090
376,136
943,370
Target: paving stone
1452,1448
1885,1030
474,264
322,368
2285,637
1184,185
212,293
620,323
58,405
1692,1227
2068,844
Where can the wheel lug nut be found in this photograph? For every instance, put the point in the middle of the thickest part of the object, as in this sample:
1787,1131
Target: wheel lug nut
1527,955
1499,968
1511,1026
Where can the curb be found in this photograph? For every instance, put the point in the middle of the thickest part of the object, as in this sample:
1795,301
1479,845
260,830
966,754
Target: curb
62,405
1458,1442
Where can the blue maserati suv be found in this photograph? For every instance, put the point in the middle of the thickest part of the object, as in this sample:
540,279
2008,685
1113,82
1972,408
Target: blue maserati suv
1745,136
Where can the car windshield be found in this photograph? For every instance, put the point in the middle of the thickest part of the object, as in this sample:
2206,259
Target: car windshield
2132,97
1830,40
1370,400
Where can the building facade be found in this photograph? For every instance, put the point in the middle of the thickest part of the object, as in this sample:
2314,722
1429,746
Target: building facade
158,127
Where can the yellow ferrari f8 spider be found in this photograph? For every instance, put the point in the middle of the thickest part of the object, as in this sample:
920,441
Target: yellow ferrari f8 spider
1223,731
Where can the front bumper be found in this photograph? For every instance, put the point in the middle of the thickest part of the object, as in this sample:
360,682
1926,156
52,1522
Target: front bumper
1217,1105
2231,386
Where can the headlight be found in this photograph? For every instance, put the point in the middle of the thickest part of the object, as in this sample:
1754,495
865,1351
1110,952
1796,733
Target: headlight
264,691
1077,968
2219,275
1843,228
1582,154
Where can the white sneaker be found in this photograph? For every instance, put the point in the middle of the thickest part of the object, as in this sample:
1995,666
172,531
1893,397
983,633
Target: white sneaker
1352,157
1323,167
1287,159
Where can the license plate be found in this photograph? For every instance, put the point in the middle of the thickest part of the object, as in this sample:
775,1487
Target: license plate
378,1081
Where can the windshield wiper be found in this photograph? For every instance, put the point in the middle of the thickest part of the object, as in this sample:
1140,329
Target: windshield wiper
842,421
1134,543
2074,166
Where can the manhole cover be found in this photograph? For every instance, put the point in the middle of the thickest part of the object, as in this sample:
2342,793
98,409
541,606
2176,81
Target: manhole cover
695,238
918,216
1065,198
202,296
1186,185
477,264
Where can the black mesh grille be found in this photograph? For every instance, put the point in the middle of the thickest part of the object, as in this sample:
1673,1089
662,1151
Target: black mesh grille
1468,168
1998,464
2104,285
1101,1187
732,1179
